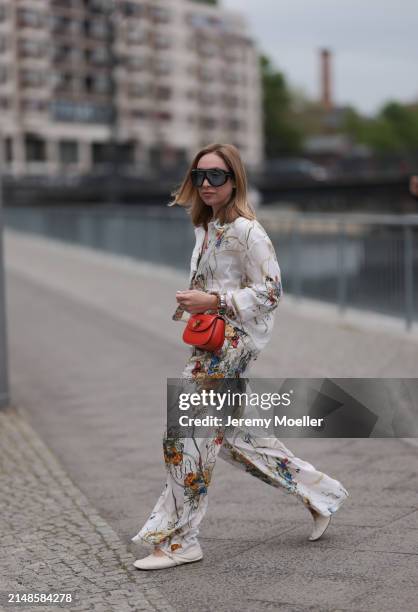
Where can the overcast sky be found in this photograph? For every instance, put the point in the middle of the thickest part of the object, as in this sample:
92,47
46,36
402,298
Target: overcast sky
374,42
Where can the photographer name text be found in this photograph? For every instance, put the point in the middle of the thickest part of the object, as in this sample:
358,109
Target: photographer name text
281,421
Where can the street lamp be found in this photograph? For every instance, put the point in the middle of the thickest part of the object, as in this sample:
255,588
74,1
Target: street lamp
4,384
112,150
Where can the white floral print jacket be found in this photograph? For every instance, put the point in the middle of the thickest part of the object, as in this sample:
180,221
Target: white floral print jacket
239,262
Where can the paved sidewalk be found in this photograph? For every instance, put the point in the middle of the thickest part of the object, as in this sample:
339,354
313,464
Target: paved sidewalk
90,351
52,539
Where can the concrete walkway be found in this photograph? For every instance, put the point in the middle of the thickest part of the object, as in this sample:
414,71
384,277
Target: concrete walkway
91,345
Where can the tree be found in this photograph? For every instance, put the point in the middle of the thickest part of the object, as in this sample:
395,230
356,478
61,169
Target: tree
281,133
404,122
393,130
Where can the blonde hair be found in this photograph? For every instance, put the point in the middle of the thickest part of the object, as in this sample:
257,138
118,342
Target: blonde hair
237,206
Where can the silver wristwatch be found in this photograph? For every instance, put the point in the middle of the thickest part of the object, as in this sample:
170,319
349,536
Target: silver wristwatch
222,304
221,308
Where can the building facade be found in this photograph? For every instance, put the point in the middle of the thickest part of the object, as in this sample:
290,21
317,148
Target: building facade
146,82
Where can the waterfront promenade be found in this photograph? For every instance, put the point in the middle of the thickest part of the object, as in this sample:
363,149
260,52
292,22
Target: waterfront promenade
91,344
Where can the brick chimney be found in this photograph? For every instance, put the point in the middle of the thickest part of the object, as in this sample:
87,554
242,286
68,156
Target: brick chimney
326,94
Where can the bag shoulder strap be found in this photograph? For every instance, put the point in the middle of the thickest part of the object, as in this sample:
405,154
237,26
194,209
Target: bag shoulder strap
202,248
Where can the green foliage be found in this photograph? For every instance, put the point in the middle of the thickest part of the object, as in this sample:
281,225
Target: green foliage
393,130
281,133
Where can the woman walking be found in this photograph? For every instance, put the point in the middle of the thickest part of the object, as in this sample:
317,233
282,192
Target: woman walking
234,271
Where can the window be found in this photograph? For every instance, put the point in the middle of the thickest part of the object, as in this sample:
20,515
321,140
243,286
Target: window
235,124
162,66
89,83
230,101
231,77
68,151
139,89
32,78
159,14
207,48
231,56
5,103
163,116
31,48
62,53
137,62
34,106
161,41
205,73
29,18
105,152
96,28
64,25
136,34
126,152
139,113
208,98
197,20
3,74
231,27
64,4
63,80
130,9
64,110
207,123
8,149
102,83
100,152
163,93
98,6
200,21
98,56
35,148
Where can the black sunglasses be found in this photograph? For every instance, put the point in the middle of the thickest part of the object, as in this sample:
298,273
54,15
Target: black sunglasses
216,176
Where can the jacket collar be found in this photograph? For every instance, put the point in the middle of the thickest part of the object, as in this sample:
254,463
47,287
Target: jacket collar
217,224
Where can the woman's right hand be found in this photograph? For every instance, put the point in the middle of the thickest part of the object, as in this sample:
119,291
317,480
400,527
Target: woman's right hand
413,185
195,302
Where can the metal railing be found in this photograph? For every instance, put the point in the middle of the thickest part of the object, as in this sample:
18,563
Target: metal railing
361,261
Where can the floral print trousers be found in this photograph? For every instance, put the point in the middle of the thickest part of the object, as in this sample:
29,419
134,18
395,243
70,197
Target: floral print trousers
175,519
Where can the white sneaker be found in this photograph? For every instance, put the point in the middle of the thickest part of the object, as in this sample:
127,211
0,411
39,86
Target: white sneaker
321,523
170,559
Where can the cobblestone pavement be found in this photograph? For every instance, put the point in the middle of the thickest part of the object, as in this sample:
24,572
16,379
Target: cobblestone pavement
53,541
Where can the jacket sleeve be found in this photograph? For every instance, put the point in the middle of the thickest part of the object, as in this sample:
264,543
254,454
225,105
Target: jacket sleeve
261,287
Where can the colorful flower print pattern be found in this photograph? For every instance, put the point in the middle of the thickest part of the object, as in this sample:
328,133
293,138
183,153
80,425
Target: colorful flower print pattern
175,519
240,262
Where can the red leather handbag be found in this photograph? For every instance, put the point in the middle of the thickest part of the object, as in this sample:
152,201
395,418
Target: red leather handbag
205,331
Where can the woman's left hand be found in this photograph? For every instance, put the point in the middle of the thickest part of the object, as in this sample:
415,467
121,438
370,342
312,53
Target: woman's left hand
195,301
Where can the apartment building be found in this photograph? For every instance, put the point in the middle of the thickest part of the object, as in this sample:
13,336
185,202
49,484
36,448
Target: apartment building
150,80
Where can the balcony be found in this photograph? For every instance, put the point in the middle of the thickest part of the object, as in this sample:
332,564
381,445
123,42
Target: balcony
29,18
